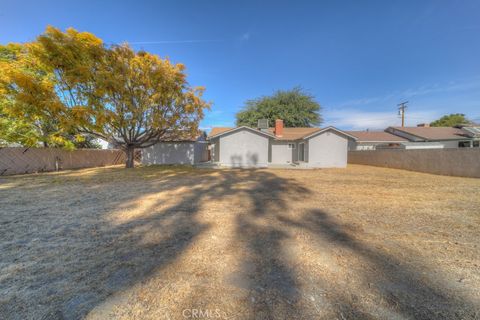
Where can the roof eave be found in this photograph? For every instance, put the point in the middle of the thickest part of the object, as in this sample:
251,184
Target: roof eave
383,141
238,128
426,139
329,128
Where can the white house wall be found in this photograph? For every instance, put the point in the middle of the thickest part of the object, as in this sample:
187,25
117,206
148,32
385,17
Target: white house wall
354,145
327,150
169,153
243,148
215,149
449,143
281,154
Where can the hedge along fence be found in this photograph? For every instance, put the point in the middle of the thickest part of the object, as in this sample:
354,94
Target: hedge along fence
30,160
463,162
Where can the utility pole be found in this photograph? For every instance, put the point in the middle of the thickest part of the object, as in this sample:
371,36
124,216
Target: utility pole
401,111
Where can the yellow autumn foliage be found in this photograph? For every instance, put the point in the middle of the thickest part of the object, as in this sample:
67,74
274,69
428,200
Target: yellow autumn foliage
133,99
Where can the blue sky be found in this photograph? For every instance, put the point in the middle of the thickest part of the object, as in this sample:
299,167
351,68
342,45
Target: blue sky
358,58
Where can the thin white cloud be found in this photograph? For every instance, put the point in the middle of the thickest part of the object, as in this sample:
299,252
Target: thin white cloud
349,114
171,42
366,101
216,112
245,36
448,87
453,86
356,119
208,123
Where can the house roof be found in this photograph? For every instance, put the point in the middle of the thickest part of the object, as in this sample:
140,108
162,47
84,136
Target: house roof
217,130
473,131
433,133
182,137
289,134
215,133
168,137
375,136
326,129
294,133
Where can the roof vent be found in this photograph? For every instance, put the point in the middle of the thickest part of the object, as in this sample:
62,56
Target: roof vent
262,123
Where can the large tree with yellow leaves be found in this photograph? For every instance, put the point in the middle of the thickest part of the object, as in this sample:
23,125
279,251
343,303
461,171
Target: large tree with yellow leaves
131,99
24,116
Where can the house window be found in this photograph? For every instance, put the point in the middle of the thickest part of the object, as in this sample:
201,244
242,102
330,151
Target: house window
464,144
476,144
291,146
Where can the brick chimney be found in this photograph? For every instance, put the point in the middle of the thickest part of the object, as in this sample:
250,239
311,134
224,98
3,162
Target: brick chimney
423,125
278,127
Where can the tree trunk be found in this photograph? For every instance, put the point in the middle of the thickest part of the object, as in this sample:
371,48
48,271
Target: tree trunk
130,151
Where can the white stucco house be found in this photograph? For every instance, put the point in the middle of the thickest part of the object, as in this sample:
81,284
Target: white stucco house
279,146
190,151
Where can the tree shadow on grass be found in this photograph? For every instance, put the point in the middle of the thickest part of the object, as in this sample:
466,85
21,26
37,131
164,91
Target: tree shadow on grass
67,265
63,255
407,293
265,272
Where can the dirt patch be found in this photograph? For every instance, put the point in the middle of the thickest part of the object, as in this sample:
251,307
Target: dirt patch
176,243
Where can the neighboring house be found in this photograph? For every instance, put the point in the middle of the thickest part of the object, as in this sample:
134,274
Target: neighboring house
449,137
303,147
413,145
373,140
369,140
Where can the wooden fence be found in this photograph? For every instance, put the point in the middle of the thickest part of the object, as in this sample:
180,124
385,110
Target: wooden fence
462,162
31,160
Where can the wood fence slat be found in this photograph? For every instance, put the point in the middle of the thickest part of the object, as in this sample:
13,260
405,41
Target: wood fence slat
461,162
29,160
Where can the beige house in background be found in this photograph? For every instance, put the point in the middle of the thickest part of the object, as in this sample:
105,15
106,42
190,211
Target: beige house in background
369,140
420,137
449,137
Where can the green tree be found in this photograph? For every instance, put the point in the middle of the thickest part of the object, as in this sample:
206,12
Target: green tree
295,107
451,120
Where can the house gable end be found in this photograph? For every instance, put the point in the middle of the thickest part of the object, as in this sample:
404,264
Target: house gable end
267,134
330,128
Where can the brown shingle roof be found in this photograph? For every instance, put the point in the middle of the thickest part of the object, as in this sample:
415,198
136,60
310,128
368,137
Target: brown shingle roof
218,130
180,136
288,133
294,133
374,136
433,133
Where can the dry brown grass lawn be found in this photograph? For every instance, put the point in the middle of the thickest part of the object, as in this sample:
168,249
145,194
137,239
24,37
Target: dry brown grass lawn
175,243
